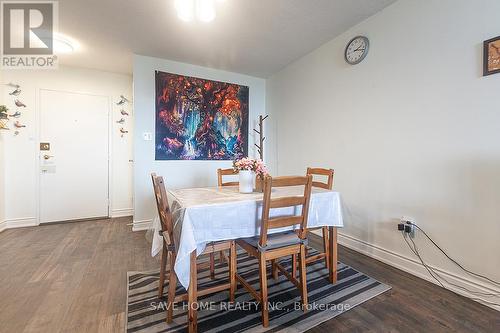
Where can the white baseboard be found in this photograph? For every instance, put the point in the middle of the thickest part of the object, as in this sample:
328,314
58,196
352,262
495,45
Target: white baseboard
121,212
142,225
414,267
18,223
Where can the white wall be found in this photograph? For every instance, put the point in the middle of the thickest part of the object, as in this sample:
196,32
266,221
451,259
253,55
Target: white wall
413,130
180,174
21,152
2,176
2,187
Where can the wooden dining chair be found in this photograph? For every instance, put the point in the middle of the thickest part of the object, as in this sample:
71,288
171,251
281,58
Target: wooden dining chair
277,245
226,172
166,227
220,174
169,250
328,173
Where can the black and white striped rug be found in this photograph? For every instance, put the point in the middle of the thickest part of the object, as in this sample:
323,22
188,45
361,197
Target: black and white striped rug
147,313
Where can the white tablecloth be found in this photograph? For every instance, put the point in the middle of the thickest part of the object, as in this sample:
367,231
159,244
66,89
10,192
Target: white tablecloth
203,215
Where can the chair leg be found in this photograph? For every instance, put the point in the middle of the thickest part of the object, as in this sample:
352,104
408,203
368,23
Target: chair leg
294,265
222,257
326,247
274,269
212,266
172,286
164,258
193,296
307,250
303,280
232,271
263,290
333,254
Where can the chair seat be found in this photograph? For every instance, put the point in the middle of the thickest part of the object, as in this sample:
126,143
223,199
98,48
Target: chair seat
276,240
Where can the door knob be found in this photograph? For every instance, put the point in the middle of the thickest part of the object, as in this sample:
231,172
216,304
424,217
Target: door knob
46,157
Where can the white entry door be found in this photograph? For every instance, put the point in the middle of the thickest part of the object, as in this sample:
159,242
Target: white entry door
74,169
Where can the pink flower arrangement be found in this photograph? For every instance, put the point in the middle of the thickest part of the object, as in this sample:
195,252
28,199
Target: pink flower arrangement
260,168
256,165
244,163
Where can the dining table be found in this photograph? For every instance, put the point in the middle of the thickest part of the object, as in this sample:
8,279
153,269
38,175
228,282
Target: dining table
210,214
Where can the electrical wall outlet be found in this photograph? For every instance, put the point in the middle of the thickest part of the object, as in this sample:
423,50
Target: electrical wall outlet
410,228
405,219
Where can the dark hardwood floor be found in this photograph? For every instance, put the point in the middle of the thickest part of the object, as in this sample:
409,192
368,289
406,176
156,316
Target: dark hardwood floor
72,277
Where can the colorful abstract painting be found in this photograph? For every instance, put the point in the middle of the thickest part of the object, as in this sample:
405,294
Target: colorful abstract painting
198,119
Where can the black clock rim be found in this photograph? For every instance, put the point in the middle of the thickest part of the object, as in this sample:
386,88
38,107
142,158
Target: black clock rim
364,54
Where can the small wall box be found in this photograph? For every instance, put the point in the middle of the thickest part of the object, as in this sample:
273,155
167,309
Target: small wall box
491,56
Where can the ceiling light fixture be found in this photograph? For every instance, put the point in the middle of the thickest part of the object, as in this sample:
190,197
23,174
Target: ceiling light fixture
63,44
202,10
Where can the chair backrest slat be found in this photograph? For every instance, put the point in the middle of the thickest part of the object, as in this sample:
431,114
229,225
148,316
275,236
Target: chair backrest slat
329,173
289,181
282,202
226,172
284,221
286,202
164,212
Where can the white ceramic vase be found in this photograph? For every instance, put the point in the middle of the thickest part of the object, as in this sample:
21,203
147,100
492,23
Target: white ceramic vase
246,178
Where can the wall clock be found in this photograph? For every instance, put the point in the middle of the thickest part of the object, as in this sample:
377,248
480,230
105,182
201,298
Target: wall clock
356,50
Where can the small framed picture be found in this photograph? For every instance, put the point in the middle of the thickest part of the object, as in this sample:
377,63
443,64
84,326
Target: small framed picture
491,60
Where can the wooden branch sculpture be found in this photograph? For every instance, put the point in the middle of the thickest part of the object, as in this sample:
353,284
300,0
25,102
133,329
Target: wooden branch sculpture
260,146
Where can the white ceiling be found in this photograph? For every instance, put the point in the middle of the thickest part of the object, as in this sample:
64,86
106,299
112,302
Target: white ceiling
255,37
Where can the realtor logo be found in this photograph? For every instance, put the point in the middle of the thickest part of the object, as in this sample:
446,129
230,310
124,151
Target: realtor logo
27,34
